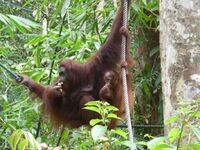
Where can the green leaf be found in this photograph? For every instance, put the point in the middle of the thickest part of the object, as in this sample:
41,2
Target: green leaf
171,120
196,114
16,22
84,145
196,131
149,136
65,7
18,26
155,141
98,132
184,110
194,146
198,100
136,7
2,18
112,108
141,143
37,76
7,21
146,89
93,103
14,138
37,56
120,133
114,116
162,146
174,134
95,109
33,143
36,40
23,144
95,121
27,2
25,22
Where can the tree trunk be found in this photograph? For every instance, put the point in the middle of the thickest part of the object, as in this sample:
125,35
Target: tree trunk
180,52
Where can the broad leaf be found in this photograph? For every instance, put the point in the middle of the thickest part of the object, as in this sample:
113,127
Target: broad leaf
196,114
93,103
33,143
112,108
25,22
98,132
23,144
155,141
120,133
113,116
171,120
95,121
174,134
95,109
15,138
162,146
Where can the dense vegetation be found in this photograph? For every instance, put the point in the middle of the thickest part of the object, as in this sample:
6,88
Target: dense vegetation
36,35
74,29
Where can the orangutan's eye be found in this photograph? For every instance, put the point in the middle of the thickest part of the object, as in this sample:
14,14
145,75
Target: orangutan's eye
62,73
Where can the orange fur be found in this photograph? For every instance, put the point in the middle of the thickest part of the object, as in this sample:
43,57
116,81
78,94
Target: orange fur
84,81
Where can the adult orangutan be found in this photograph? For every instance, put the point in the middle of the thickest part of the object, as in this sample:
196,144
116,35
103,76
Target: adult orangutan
99,78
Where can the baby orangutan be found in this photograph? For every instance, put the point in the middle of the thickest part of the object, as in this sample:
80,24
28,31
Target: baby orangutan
107,91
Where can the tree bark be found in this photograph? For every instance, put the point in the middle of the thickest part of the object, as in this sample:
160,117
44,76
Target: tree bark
180,53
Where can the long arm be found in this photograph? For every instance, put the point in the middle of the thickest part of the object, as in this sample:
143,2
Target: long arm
110,52
34,87
115,34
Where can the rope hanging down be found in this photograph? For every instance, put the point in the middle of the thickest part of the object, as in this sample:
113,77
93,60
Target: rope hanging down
124,78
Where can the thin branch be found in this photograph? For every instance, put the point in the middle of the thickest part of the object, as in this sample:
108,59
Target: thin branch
60,137
56,50
180,135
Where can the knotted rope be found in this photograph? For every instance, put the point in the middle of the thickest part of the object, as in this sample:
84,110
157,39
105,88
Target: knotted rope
124,78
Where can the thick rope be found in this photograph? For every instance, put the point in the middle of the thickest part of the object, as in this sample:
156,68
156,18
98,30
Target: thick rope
124,78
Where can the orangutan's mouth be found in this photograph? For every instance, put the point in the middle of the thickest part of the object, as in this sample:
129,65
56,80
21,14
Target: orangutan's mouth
58,86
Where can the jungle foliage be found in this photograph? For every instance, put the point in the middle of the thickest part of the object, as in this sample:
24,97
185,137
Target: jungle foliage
35,35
